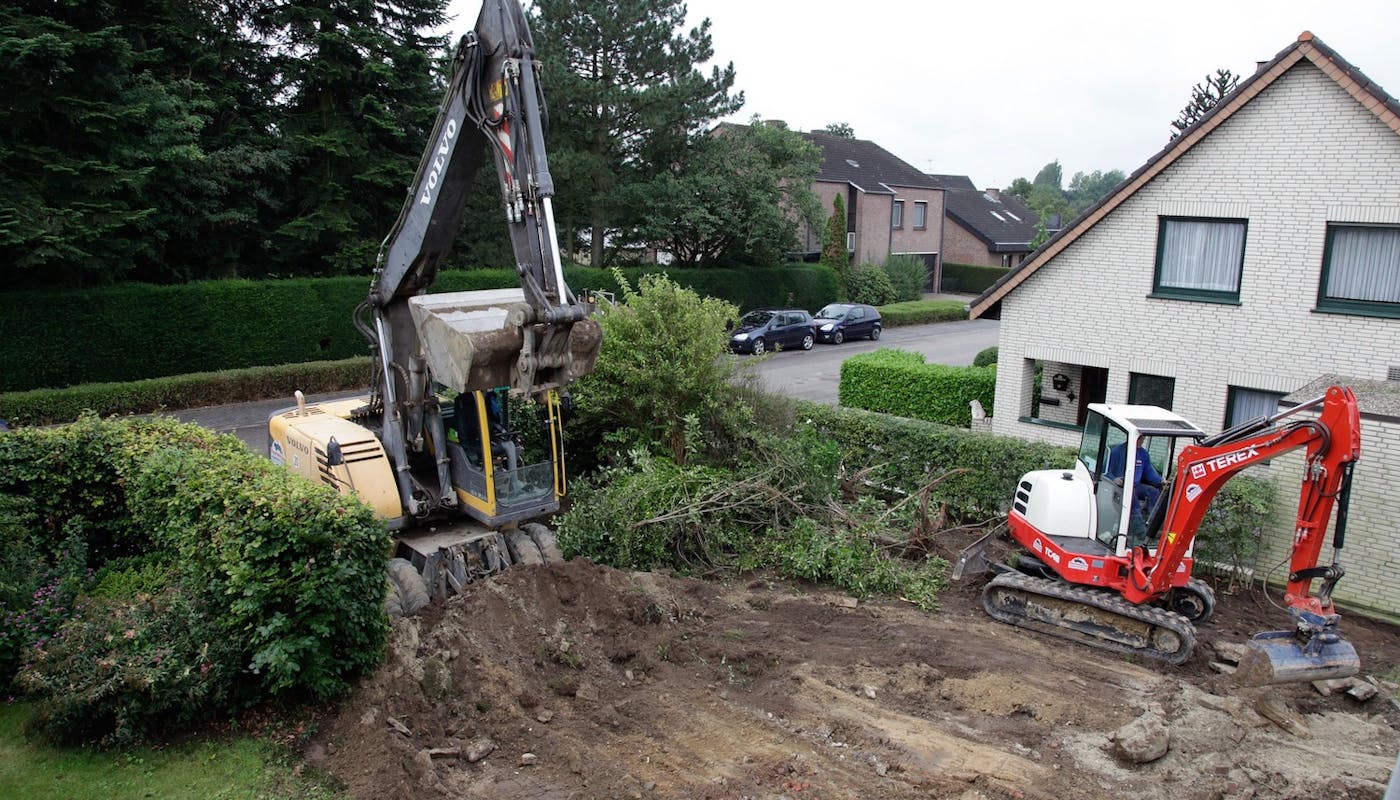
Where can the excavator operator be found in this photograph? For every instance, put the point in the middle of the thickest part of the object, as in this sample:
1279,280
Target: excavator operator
1147,483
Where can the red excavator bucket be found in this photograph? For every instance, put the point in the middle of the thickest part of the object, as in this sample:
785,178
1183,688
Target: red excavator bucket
1282,657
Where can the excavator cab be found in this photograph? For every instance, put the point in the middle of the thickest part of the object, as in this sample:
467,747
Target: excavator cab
505,466
1128,452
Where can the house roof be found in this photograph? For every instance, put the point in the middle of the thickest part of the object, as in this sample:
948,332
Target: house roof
953,181
869,166
1379,400
1003,223
1307,47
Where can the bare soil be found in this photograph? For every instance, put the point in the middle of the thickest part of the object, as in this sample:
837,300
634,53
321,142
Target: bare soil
581,681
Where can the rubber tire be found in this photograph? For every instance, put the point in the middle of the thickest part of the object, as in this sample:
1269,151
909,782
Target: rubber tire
545,540
838,337
758,346
807,342
523,550
408,593
875,334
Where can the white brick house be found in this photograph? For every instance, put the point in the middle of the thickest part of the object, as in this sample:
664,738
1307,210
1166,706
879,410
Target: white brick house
1255,253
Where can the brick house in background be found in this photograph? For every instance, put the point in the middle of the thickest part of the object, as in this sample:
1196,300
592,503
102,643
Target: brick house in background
891,207
986,228
1253,259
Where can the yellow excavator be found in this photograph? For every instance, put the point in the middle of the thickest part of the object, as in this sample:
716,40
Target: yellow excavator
458,446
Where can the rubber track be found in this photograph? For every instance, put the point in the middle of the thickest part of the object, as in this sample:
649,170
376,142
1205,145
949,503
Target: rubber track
1157,618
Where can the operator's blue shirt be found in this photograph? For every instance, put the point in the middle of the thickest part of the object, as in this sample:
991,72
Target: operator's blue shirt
1143,469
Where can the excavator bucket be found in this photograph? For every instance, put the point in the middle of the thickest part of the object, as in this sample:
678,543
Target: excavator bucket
473,342
1282,657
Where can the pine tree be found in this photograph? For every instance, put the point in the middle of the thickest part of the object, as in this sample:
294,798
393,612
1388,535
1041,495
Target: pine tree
362,84
834,252
626,98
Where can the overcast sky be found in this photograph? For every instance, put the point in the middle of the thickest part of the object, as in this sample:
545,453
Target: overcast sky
995,89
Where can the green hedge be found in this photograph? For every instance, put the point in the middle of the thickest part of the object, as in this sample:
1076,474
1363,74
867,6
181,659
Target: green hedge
919,312
906,453
971,278
135,331
899,382
196,390
252,584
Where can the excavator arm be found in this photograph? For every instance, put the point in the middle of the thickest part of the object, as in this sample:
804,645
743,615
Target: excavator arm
1332,444
533,340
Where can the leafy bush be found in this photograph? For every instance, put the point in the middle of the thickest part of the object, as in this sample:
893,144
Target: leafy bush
272,586
970,278
663,381
908,275
899,382
868,283
920,312
986,358
1234,524
775,512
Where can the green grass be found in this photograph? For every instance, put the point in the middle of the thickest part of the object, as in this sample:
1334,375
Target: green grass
240,768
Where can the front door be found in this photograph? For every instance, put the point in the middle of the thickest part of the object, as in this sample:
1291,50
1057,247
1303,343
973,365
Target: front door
1093,388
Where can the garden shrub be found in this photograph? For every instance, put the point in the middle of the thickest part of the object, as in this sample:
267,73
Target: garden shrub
920,312
868,283
272,587
899,382
986,358
1230,533
908,276
662,381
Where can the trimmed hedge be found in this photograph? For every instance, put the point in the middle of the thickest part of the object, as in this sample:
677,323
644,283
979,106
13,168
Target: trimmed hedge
50,406
899,382
970,278
273,586
907,453
136,331
919,312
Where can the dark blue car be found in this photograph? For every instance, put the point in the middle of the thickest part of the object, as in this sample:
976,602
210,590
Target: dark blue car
837,322
765,329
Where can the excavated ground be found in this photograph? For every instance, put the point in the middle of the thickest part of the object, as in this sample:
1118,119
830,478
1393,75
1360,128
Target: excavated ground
581,681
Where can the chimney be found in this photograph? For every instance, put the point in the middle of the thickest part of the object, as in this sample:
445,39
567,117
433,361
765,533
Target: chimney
775,123
995,194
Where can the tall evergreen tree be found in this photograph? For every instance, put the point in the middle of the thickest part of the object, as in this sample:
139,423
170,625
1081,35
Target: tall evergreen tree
361,89
626,98
118,152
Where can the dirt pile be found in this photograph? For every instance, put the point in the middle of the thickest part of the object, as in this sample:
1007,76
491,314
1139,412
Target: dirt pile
580,681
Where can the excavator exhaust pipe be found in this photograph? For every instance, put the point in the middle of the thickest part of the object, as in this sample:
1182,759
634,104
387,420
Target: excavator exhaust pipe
1314,651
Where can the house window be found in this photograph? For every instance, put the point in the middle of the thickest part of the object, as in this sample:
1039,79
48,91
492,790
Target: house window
1361,271
1151,390
1199,259
1242,405
920,216
897,216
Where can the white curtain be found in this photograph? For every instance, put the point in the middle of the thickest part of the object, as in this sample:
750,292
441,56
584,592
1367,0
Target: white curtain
1365,264
1202,254
1246,404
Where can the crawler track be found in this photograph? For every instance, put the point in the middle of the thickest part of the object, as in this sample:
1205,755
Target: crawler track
1090,616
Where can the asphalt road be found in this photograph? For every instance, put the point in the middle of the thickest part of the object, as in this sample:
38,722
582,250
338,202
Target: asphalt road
810,375
815,374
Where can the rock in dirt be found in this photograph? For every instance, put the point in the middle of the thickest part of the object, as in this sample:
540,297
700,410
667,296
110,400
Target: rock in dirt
527,760
1326,688
479,749
1143,740
1361,691
421,765
544,716
1229,652
398,726
1273,708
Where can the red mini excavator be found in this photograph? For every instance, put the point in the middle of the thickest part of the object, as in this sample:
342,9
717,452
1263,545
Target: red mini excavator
1108,543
